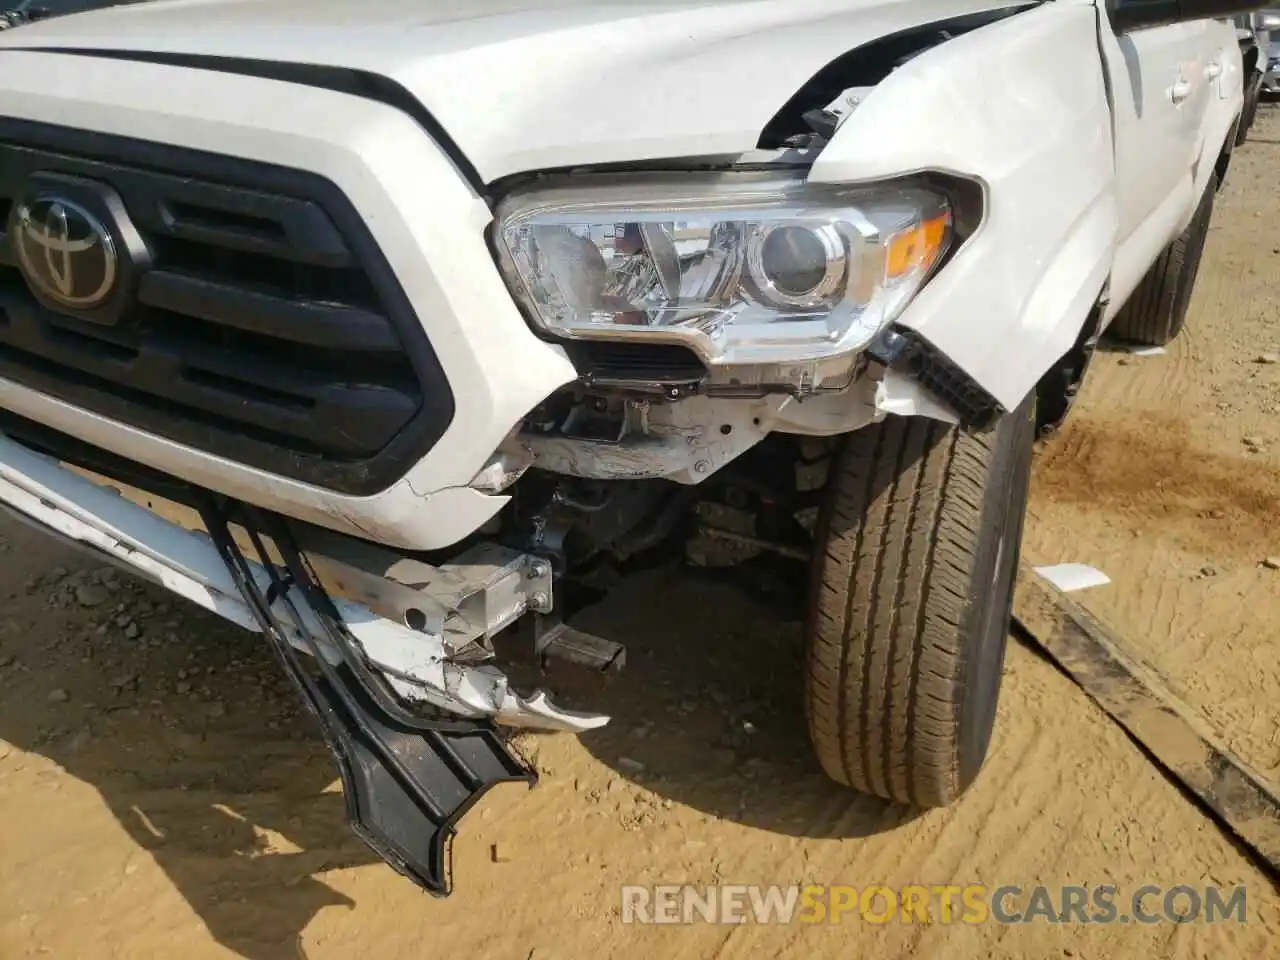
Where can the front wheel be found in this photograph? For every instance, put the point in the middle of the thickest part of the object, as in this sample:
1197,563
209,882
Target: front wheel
912,589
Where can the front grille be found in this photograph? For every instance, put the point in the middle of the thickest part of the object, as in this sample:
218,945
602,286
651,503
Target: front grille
268,329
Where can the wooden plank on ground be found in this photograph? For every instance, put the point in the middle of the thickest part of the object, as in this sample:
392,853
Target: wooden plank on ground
1135,694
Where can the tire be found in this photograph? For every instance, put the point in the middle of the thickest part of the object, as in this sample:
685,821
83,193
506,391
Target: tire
911,594
1156,311
1248,113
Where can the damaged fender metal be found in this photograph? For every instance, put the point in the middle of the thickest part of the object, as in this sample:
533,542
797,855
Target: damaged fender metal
1018,279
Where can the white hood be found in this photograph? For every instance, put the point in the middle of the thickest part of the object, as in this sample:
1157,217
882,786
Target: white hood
529,84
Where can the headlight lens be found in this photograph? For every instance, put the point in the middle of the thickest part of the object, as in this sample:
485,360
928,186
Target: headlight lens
742,271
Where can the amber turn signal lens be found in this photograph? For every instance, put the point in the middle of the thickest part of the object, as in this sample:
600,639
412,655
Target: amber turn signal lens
919,247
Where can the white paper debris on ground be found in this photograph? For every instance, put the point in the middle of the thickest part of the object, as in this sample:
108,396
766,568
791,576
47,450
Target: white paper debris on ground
1140,351
1069,577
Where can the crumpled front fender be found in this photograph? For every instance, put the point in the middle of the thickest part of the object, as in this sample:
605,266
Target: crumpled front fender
1020,108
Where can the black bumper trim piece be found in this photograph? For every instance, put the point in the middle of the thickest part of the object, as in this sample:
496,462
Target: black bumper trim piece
911,354
407,779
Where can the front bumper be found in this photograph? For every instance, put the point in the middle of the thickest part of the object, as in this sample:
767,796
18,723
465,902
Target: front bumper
426,221
393,675
433,664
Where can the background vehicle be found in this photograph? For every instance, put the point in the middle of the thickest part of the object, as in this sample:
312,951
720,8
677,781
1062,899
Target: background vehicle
29,11
1255,55
420,348
1267,24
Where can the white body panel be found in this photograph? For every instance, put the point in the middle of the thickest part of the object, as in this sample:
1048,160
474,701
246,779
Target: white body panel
1080,194
1176,90
533,84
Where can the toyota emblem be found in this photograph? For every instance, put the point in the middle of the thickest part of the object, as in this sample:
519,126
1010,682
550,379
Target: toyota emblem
65,252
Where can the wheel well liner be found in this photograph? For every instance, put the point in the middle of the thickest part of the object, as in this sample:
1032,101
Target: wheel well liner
1249,56
1223,163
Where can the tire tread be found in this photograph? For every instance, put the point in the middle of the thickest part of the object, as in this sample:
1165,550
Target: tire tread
892,600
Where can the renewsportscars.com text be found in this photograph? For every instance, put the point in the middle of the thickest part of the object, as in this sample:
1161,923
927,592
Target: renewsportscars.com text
965,904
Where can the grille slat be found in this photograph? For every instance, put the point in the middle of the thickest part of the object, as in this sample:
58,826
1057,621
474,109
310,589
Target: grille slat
319,410
267,327
216,214
336,326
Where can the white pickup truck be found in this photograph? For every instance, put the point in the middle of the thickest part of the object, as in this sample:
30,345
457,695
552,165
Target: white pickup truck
377,327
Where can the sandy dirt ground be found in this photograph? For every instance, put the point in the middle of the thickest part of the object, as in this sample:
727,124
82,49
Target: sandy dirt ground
161,796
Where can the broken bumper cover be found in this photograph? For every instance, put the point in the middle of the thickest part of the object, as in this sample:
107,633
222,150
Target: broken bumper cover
418,661
407,779
412,729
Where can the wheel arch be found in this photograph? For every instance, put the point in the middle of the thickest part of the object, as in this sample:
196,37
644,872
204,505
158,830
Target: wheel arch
1249,58
1057,390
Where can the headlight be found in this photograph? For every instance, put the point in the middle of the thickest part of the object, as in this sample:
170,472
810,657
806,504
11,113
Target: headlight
744,271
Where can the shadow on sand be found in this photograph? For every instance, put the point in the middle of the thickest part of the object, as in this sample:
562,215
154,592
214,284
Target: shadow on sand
200,751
